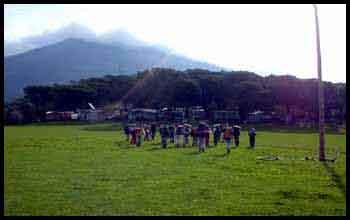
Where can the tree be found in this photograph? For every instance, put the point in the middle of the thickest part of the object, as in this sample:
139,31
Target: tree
186,93
169,88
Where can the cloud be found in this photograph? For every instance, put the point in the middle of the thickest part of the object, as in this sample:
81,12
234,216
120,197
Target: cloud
275,39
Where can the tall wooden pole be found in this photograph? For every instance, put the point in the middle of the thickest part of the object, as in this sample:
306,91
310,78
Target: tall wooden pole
320,91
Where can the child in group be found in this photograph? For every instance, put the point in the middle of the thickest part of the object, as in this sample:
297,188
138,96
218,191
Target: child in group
138,131
144,128
222,126
147,133
142,134
186,134
236,133
252,135
126,131
217,134
194,136
179,133
201,137
198,137
172,133
228,133
207,136
133,135
153,130
164,134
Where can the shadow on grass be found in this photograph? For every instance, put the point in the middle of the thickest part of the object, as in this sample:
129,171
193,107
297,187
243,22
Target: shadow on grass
56,123
193,153
220,155
335,178
104,127
289,129
123,144
157,148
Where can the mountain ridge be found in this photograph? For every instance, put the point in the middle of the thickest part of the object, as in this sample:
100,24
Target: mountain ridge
74,59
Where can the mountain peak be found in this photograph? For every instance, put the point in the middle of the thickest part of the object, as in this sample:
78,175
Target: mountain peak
122,36
75,30
72,30
75,58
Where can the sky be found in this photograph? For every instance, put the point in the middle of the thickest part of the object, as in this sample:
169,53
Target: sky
266,39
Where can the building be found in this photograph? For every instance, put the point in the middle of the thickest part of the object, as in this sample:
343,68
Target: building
263,117
142,114
178,116
169,115
164,114
91,115
53,116
256,117
82,114
197,113
95,116
74,116
59,116
297,115
226,116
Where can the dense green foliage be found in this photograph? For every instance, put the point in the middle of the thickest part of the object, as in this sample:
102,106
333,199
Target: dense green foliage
91,170
160,87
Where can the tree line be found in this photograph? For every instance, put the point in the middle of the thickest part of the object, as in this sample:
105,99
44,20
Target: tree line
160,87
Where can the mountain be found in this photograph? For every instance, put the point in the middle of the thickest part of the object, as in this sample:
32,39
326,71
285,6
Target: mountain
74,59
72,30
121,36
115,37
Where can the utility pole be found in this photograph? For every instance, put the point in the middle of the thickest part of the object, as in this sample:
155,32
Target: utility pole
320,91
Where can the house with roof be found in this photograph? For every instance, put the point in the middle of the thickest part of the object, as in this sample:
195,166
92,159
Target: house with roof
263,117
92,114
197,113
142,114
225,116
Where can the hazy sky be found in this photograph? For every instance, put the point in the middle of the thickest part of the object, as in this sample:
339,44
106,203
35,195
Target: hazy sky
276,39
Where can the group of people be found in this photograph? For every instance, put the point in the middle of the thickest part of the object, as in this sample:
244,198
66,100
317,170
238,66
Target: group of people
137,134
180,134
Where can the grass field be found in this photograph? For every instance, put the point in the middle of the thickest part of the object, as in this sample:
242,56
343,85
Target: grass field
91,170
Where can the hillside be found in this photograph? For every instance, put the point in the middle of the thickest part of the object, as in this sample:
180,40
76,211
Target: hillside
74,59
159,87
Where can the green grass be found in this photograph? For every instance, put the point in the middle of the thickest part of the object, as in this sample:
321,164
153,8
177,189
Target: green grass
91,170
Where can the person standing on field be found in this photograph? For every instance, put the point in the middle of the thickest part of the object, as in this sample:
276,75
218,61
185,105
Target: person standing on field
236,134
126,131
164,134
186,133
194,136
153,130
146,136
252,135
228,133
222,126
171,133
138,131
217,134
179,133
148,132
142,134
207,136
201,136
133,135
